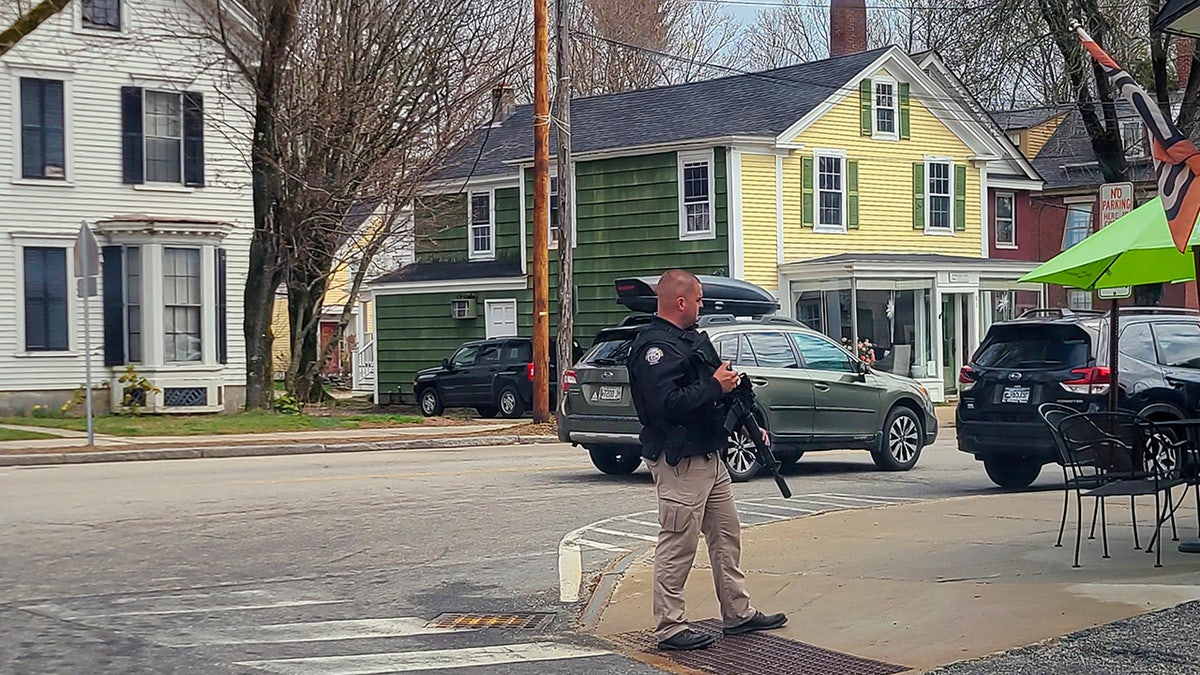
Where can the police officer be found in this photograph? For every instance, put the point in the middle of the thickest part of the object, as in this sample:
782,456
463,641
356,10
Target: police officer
677,397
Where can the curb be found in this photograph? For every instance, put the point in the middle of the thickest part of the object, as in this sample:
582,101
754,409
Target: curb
266,450
606,587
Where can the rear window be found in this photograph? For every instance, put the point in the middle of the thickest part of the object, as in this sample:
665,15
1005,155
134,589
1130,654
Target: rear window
1037,346
609,350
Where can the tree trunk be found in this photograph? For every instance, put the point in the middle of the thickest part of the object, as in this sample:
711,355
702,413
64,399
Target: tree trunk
259,298
28,22
305,371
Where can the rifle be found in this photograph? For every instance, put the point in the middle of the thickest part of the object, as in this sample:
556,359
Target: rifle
740,415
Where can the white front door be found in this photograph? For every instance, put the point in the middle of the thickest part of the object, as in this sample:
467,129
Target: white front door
501,318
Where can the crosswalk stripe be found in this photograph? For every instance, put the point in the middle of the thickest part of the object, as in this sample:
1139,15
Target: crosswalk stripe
403,662
313,631
54,609
867,498
600,545
631,535
645,523
776,506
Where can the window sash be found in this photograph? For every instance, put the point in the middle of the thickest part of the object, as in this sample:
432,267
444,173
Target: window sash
885,108
45,294
163,120
830,191
102,14
43,120
1006,230
182,304
481,224
697,196
939,196
1078,225
133,304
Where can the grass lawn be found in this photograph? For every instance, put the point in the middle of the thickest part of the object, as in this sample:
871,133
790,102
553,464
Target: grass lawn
15,435
201,425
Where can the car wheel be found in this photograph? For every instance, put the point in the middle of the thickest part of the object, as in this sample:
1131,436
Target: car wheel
616,460
1012,472
431,402
900,446
509,403
486,412
740,458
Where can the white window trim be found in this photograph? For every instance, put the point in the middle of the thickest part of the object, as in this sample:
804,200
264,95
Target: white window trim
683,158
487,325
490,253
78,28
553,245
1069,202
67,77
1140,150
207,335
159,185
929,229
73,317
1009,245
894,135
818,228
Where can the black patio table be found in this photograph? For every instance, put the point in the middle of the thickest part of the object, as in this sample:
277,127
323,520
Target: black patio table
1190,466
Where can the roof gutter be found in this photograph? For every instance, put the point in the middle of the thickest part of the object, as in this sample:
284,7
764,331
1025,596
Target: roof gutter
689,144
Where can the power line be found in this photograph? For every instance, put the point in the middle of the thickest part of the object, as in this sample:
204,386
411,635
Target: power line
818,5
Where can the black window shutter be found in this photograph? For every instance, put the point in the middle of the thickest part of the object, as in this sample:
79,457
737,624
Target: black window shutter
193,139
33,146
222,320
114,305
132,145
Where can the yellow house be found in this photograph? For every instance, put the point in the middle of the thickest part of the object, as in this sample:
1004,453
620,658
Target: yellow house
870,216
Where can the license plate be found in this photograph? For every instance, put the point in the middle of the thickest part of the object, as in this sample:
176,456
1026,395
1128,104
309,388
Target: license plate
609,393
1016,395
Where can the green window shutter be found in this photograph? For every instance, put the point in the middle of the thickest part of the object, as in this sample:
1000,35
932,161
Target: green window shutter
918,195
806,182
852,194
905,118
960,197
864,105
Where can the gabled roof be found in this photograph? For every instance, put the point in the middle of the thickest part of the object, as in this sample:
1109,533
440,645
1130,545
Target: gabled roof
1014,120
444,271
1067,160
762,104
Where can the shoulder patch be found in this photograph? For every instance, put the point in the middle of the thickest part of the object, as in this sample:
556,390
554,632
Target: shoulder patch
653,355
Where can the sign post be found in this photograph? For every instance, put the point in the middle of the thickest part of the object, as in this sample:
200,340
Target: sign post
87,265
1116,199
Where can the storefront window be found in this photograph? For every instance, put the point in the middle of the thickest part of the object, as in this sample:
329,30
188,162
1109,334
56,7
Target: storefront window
896,323
1007,305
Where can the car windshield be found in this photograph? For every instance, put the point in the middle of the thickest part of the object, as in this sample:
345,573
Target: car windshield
1037,346
610,350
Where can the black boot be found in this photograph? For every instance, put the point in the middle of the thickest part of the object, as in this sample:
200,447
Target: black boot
759,621
687,639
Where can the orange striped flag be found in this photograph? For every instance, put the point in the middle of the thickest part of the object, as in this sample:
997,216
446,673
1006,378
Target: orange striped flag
1176,159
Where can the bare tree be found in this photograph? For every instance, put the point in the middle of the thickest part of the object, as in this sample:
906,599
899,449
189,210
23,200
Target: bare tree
357,102
26,16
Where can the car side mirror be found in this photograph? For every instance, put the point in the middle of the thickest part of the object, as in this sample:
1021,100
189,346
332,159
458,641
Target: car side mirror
446,364
861,369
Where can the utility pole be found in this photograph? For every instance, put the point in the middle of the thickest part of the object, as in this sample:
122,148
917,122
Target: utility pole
541,213
566,196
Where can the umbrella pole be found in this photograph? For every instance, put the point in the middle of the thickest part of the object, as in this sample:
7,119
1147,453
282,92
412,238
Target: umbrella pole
1114,355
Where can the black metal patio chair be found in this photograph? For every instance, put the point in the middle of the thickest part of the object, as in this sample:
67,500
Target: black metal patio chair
1079,473
1124,450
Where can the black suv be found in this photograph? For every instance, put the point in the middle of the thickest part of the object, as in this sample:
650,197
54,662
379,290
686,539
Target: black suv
491,376
1061,356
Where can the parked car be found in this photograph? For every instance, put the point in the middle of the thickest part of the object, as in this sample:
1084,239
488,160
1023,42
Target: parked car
812,394
1061,356
492,376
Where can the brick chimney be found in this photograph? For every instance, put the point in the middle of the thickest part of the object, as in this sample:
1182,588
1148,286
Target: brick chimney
847,27
504,102
1183,60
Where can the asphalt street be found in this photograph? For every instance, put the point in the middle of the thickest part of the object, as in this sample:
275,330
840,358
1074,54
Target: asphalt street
338,563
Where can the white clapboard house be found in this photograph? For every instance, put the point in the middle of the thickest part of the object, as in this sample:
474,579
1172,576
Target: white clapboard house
120,117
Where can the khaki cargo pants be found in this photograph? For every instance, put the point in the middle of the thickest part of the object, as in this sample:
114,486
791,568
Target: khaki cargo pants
696,496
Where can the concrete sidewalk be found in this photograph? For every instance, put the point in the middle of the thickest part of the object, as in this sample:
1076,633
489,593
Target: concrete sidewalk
74,449
928,584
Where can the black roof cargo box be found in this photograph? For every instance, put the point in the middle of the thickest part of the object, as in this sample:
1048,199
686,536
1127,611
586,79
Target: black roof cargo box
722,295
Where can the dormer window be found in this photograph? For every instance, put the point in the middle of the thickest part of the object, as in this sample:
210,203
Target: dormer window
101,14
1132,139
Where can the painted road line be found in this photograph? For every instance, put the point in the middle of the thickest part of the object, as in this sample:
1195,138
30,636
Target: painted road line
644,523
313,631
60,613
760,514
631,535
601,545
779,506
405,662
869,498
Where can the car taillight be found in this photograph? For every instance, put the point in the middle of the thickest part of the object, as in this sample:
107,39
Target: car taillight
529,371
966,378
569,379
1091,381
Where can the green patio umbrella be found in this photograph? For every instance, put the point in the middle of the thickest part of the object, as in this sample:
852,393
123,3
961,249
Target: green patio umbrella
1135,249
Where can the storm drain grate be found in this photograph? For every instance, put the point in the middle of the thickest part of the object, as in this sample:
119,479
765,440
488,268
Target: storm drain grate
533,621
758,653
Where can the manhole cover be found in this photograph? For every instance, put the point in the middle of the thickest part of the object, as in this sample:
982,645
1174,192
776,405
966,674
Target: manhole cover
534,621
758,653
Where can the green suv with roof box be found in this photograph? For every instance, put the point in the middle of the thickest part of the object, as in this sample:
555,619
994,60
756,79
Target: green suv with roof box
812,393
